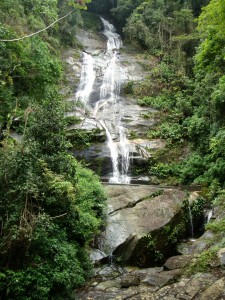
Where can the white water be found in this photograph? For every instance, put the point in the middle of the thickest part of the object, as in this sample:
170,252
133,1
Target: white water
114,155
191,222
114,40
125,150
107,108
87,79
109,95
209,215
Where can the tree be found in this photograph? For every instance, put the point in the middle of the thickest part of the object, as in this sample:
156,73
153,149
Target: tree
50,208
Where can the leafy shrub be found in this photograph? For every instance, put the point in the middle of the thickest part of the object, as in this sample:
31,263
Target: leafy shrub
163,102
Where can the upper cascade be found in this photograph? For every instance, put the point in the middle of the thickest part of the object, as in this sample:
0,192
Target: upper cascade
99,91
114,41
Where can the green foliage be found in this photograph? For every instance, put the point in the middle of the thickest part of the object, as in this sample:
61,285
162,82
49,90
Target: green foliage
128,88
174,233
163,102
217,194
71,120
91,22
202,262
55,268
163,171
50,208
193,168
197,207
80,138
217,226
123,10
211,22
154,24
100,7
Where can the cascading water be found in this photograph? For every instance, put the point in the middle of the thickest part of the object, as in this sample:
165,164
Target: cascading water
209,215
107,108
87,79
125,159
109,94
191,222
114,40
114,155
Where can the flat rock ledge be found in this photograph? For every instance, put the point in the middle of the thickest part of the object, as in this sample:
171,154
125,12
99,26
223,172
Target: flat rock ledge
151,284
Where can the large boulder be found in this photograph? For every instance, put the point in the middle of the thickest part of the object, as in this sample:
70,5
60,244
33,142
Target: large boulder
143,223
177,262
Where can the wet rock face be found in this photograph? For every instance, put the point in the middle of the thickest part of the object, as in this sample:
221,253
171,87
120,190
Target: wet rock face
141,223
98,156
111,107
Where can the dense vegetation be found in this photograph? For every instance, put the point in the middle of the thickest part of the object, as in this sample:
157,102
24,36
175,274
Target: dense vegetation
185,64
50,206
183,43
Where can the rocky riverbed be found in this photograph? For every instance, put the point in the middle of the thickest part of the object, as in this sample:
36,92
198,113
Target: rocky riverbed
174,277
161,283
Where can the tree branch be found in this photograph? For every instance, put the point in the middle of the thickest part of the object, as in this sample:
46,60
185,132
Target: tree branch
37,32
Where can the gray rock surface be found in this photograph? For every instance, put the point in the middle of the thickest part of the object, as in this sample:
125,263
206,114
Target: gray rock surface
129,280
215,291
177,262
155,284
134,213
162,278
221,256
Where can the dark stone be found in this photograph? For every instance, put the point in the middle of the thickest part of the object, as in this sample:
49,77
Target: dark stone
129,280
163,278
177,262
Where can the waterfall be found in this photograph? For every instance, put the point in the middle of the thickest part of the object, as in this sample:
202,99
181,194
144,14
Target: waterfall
190,222
125,157
109,95
114,155
105,104
114,40
87,79
209,215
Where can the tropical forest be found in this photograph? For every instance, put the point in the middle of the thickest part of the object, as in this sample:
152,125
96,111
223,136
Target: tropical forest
112,149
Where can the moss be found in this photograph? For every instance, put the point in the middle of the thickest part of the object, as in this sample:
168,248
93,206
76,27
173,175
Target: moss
154,248
202,262
81,138
71,120
217,226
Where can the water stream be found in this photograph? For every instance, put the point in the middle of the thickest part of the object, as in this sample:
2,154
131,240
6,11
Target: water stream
105,107
191,226
209,215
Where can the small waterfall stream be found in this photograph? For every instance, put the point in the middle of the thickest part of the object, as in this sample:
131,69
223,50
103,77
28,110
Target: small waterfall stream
106,106
190,221
209,215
